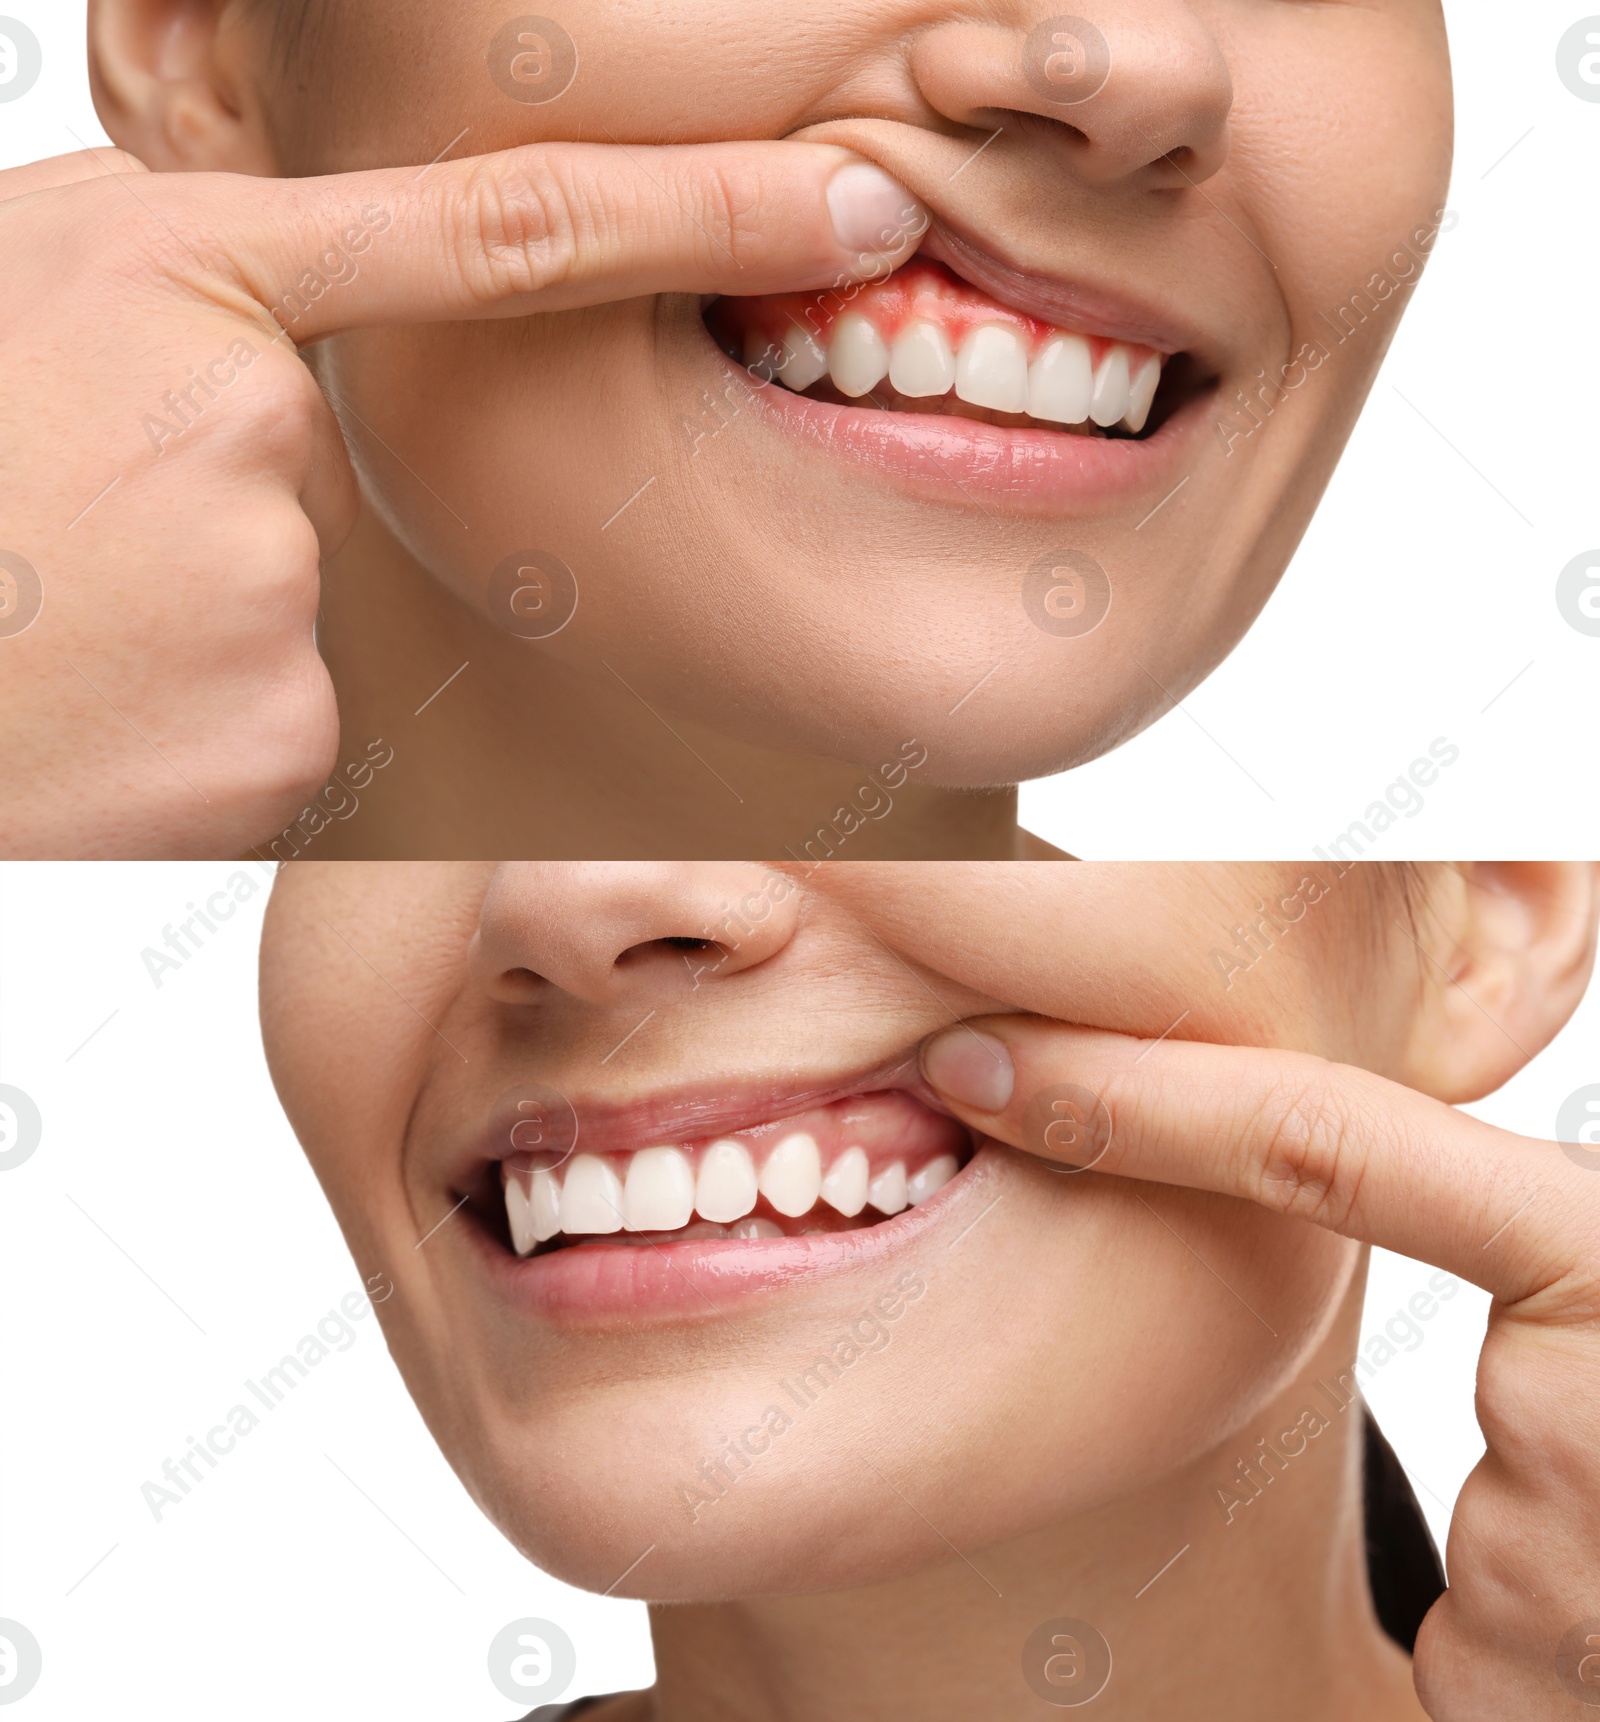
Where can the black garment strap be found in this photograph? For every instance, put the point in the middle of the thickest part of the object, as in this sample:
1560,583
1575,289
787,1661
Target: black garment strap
1403,1566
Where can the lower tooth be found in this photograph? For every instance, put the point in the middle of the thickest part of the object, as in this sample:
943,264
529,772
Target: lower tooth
755,1228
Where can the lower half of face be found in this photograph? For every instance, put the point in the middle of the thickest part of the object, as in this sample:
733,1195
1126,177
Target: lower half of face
1034,477
769,1284
1020,1348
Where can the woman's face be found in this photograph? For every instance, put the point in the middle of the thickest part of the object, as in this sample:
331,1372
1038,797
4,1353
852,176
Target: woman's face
1245,196
1019,1344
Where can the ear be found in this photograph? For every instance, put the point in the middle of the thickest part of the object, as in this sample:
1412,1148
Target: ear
1507,949
175,82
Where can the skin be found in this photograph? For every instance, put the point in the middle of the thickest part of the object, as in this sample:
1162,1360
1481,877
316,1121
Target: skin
766,625
1146,1330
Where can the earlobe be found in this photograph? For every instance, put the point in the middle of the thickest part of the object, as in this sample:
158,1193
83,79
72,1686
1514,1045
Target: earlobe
1506,950
171,85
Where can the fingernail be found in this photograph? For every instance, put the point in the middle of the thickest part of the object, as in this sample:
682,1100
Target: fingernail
970,1068
872,212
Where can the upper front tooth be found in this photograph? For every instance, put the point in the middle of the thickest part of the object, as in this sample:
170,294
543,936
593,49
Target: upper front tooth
591,1197
857,358
887,1192
1142,392
921,362
521,1221
1110,400
791,1178
1061,381
659,1193
546,1205
726,1186
992,369
804,361
934,1176
845,1186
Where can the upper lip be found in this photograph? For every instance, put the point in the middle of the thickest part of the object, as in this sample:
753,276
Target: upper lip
1084,306
608,1125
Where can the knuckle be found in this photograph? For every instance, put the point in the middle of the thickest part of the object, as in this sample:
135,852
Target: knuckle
727,203
516,232
1316,1158
297,709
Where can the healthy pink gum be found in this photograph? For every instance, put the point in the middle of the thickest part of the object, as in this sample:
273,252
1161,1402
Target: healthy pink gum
921,289
886,1126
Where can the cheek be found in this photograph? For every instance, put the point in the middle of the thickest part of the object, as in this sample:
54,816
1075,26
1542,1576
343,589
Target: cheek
1080,1352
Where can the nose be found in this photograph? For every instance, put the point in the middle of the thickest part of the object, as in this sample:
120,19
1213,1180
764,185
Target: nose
611,931
1140,88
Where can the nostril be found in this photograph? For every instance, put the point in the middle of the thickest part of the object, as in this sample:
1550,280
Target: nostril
670,948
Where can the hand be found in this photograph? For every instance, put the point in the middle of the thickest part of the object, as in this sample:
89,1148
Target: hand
173,475
1375,1161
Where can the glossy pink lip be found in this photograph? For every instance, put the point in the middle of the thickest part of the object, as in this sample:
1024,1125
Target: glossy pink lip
952,459
603,1285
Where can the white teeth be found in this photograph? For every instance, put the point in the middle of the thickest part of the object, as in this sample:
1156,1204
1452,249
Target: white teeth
591,1197
887,1192
934,1176
1141,393
726,1186
659,1193
1061,381
546,1205
791,1178
759,355
1110,400
804,361
517,1214
756,1229
857,358
921,362
845,1187
992,369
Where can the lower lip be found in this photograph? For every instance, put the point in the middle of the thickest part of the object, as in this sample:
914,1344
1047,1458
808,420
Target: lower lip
951,459
623,1284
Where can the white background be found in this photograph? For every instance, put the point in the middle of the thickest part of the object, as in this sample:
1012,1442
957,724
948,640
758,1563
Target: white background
167,1241
1422,603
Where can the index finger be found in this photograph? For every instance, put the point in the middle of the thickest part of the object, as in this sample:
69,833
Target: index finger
1356,1153
549,227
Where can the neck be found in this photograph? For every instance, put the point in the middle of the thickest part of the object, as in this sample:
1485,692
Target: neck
522,754
1253,1618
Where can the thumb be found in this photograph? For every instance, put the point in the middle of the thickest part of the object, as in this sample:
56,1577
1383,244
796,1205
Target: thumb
550,227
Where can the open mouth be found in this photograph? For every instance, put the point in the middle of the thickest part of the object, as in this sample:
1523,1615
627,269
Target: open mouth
923,340
845,1166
